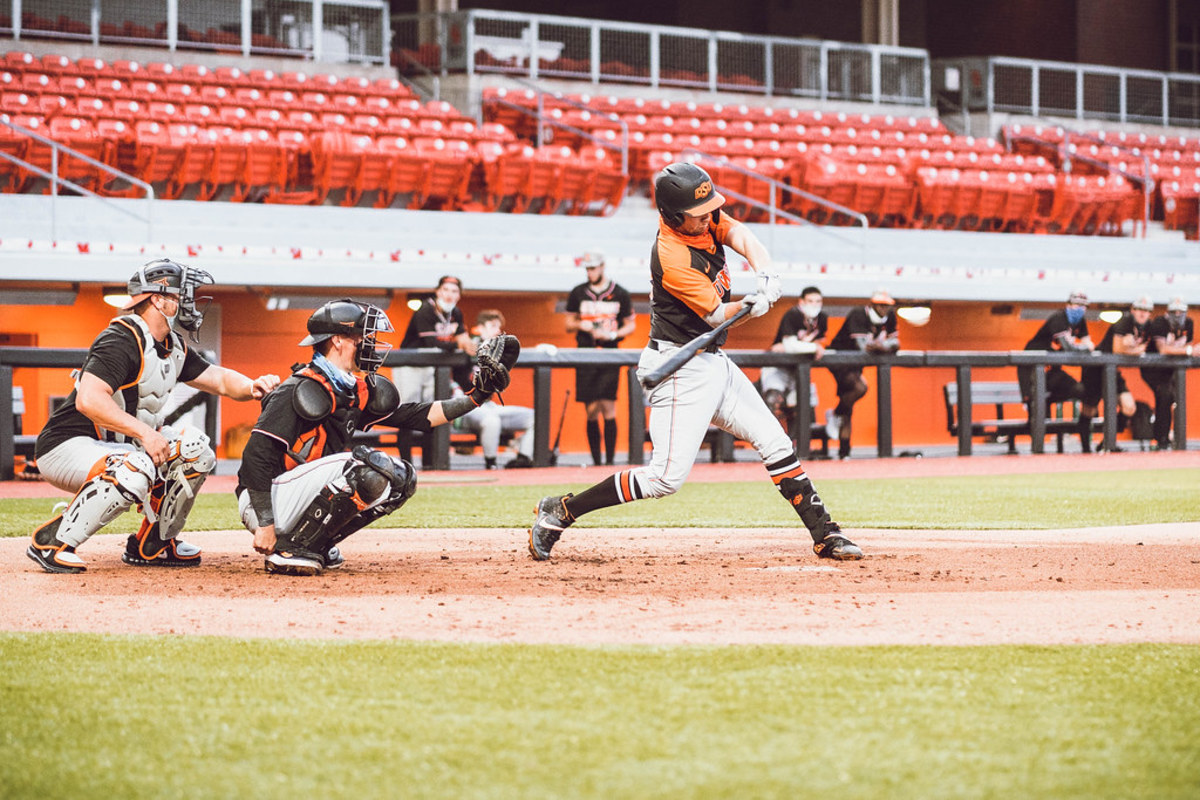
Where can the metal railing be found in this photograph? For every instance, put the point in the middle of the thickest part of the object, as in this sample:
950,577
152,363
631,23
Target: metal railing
538,46
1068,152
543,364
340,31
539,113
1077,91
56,180
775,189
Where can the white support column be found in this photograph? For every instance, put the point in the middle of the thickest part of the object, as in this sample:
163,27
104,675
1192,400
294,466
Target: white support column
247,21
881,22
318,30
172,24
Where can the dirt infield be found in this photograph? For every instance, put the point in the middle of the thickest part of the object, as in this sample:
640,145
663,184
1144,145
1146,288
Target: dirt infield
652,586
646,586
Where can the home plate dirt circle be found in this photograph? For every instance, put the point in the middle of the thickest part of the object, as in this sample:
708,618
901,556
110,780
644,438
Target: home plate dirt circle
645,586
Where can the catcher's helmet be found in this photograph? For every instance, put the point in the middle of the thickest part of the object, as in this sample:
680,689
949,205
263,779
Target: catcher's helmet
352,318
684,188
164,276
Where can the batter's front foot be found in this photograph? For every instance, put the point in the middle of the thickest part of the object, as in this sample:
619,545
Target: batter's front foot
836,546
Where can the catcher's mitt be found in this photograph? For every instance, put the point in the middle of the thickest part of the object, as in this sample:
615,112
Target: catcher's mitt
495,356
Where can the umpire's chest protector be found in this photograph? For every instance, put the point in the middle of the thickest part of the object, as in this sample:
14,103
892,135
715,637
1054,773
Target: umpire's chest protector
158,378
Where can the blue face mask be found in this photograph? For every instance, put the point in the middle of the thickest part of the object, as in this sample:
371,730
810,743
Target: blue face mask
339,377
1075,315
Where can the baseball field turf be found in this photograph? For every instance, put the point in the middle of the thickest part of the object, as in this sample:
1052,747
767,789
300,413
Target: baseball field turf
85,715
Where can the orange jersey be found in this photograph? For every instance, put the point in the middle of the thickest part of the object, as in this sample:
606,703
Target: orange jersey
688,280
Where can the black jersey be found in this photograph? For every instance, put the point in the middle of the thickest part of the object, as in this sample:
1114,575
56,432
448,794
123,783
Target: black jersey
282,439
858,328
115,357
688,280
1056,332
794,323
429,327
1159,330
1125,326
606,308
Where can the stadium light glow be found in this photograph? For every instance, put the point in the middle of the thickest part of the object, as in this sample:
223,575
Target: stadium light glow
915,315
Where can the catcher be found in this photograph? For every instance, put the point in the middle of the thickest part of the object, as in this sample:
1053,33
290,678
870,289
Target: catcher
299,492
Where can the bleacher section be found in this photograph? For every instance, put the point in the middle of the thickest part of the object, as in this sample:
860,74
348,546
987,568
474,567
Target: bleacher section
899,171
292,137
287,137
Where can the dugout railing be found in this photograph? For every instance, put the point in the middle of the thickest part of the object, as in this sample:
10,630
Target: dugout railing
544,363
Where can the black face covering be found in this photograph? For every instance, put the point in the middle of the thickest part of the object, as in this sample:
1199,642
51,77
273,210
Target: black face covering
1176,319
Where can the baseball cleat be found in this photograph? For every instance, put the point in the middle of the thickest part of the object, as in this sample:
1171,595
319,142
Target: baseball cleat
294,562
836,546
551,520
170,553
50,553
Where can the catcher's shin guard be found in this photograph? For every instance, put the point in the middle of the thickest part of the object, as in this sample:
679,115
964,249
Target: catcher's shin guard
401,485
371,485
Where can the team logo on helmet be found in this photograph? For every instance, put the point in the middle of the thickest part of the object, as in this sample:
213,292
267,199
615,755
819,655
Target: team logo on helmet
704,190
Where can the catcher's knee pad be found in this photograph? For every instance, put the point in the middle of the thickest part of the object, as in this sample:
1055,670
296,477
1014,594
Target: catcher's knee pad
191,461
118,482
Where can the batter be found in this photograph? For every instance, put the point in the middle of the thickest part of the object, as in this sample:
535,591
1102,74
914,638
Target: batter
689,286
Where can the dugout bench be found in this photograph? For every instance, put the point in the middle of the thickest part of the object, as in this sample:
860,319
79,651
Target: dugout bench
999,394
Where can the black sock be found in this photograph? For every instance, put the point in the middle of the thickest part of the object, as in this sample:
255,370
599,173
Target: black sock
602,495
593,437
610,440
1085,433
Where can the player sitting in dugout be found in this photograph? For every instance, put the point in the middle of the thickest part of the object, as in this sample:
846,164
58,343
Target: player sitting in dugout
299,492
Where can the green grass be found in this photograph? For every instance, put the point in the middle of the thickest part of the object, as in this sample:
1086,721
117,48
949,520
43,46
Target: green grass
969,502
102,716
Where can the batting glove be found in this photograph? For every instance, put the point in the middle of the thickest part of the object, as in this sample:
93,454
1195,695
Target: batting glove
757,303
770,286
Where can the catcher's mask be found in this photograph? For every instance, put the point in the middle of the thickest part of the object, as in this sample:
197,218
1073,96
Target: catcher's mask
164,276
683,188
351,318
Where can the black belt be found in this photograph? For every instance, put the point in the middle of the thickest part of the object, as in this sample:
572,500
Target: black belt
712,348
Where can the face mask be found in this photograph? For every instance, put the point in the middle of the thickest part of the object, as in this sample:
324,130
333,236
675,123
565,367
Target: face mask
170,319
1176,318
1075,315
810,310
876,318
444,307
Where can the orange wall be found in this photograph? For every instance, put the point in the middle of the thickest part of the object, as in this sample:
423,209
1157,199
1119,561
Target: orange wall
256,341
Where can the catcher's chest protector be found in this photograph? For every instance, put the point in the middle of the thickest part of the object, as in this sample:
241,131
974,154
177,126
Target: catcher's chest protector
331,433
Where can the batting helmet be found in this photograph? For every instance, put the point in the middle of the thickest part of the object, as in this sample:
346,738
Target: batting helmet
683,188
164,276
348,317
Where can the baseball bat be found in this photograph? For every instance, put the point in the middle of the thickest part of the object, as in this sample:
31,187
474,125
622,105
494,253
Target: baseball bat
686,352
558,437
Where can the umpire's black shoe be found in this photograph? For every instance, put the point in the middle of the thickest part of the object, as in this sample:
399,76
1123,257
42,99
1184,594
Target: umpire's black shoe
836,546
551,520
51,554
148,550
